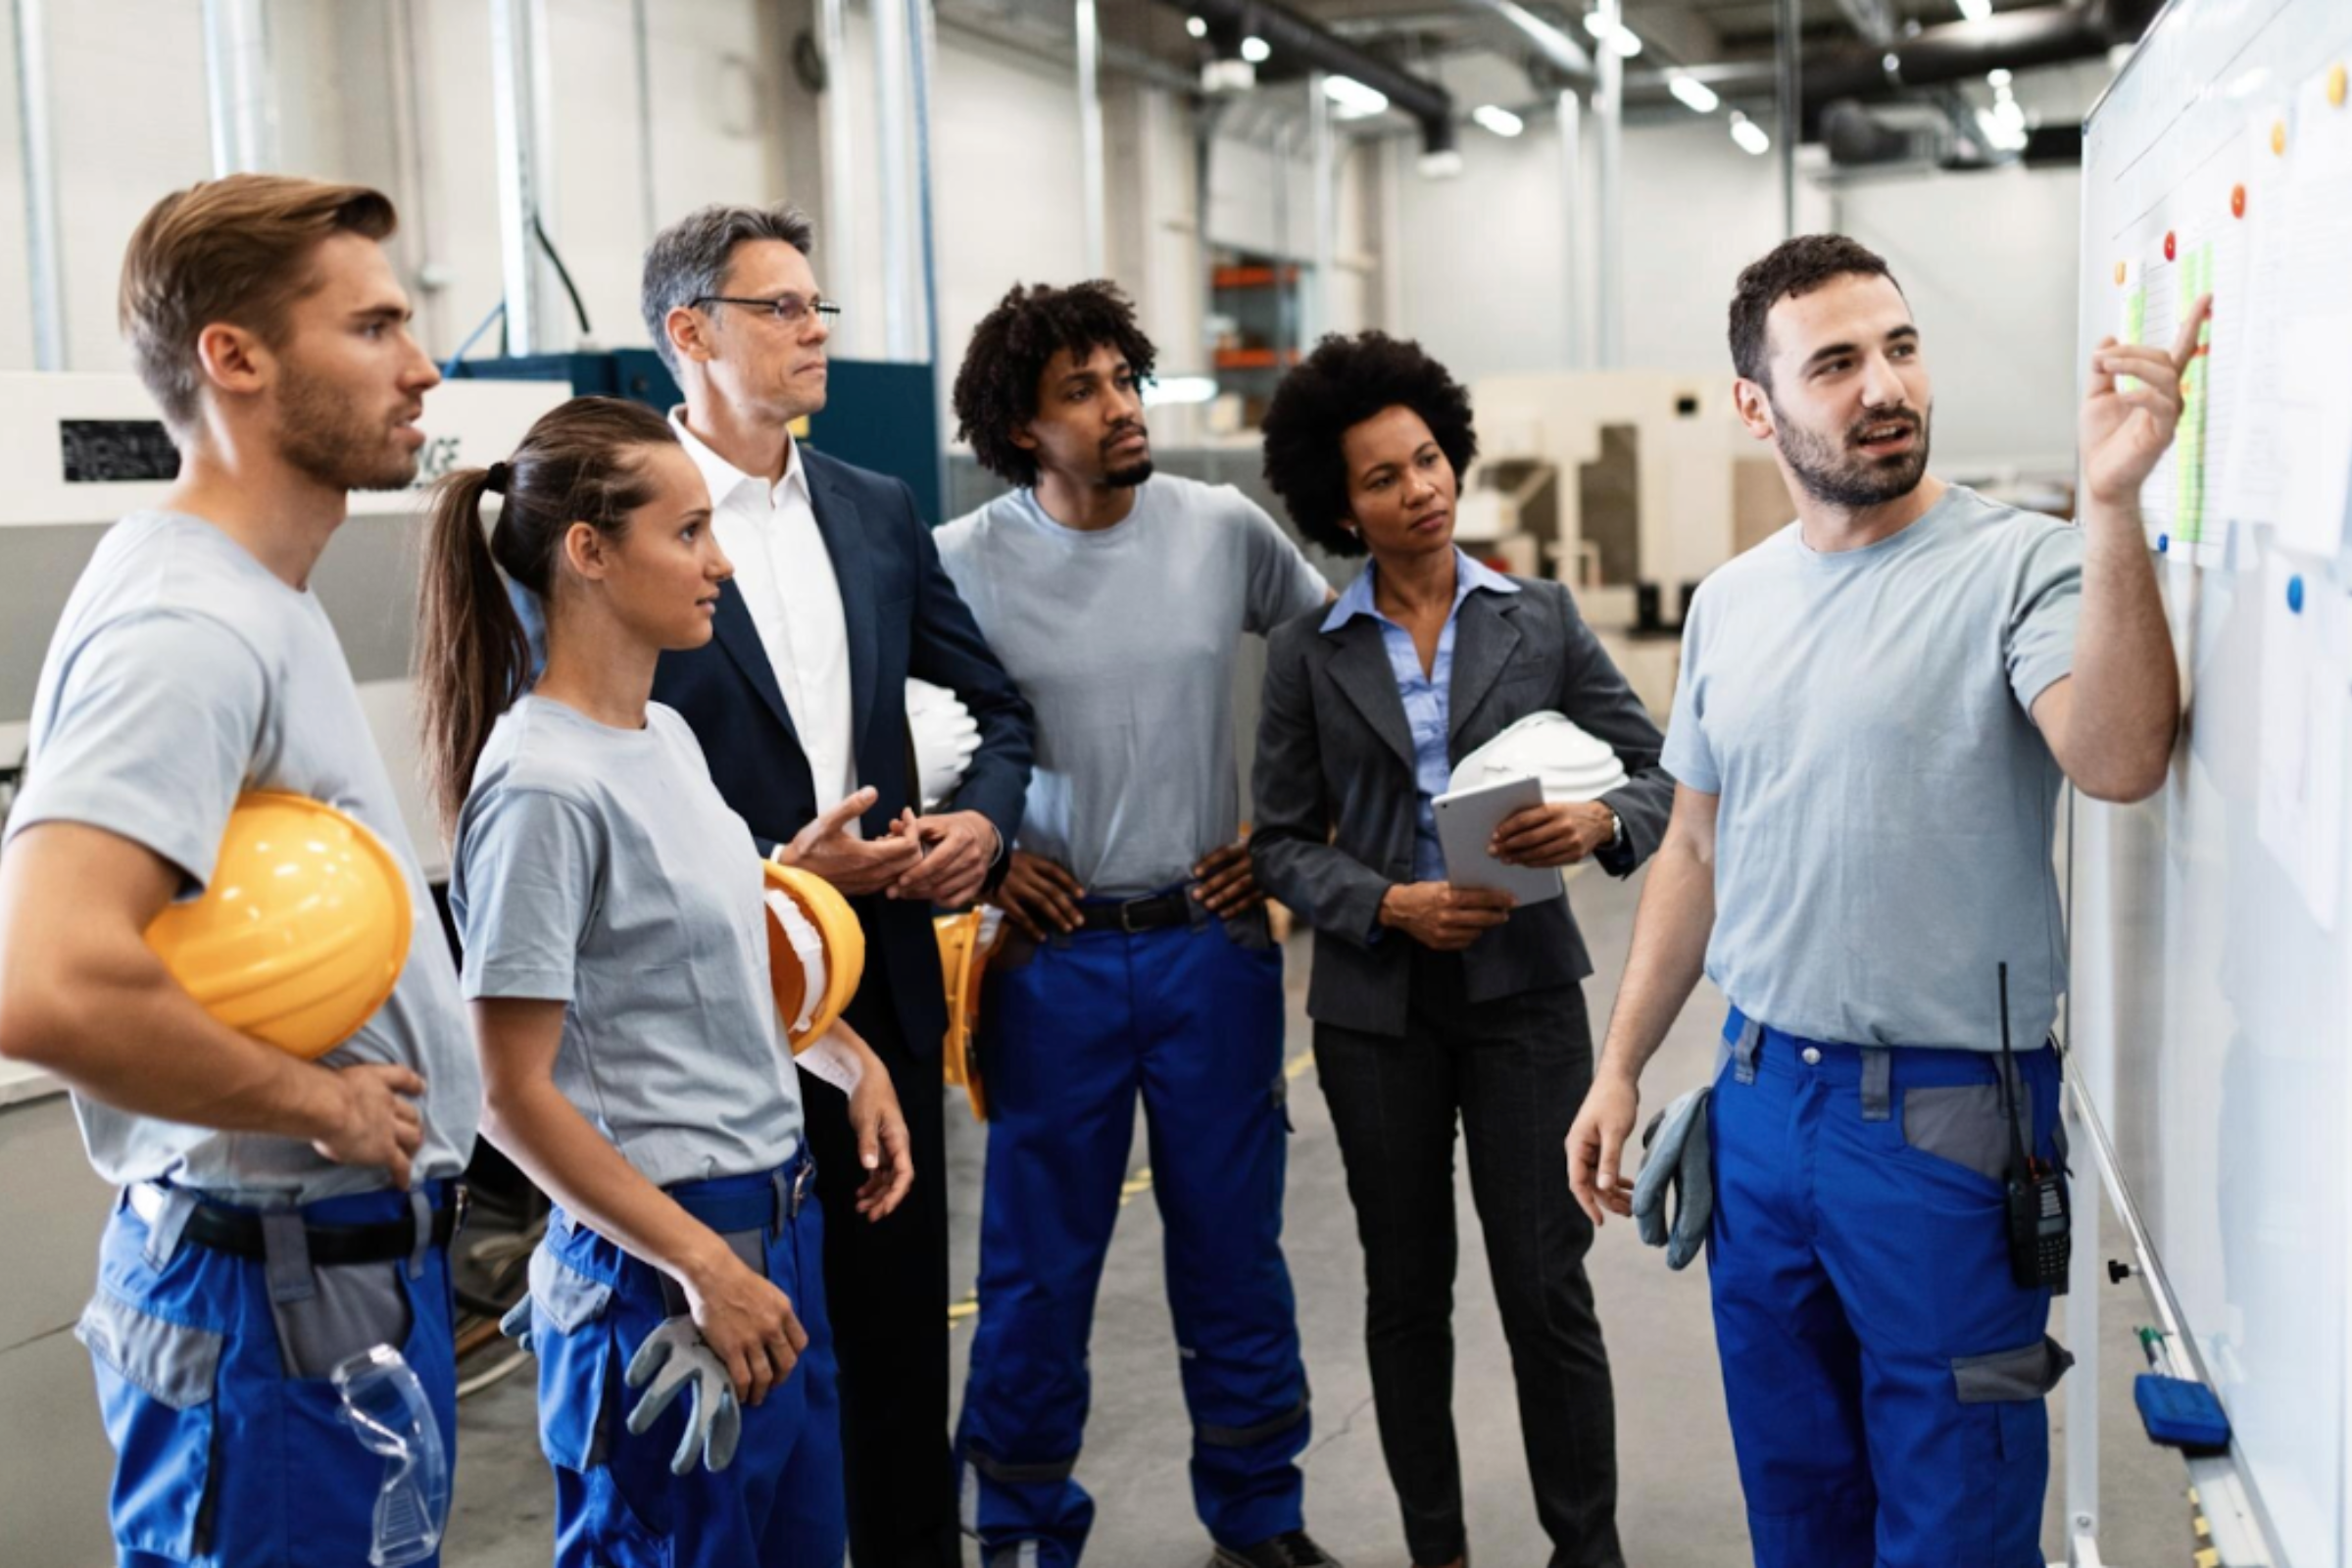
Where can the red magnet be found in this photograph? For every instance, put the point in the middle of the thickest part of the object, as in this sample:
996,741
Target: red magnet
2168,245
2238,201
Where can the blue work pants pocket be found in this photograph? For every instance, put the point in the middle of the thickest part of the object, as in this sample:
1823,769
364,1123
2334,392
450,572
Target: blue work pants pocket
157,1380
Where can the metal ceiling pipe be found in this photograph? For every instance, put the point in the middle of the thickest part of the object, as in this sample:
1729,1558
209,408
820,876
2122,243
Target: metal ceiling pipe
1090,139
2014,40
237,87
1556,46
518,102
1308,45
44,242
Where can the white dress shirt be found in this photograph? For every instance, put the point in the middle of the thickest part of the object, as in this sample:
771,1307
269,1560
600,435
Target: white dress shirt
785,574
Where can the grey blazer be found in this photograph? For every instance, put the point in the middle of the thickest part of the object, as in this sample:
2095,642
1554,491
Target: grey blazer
1336,795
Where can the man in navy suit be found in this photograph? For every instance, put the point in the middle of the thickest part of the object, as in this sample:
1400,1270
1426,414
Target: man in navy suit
799,703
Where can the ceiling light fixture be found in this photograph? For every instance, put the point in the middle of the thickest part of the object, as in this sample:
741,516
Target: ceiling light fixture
1502,121
1975,10
1353,99
1694,93
1750,135
1257,50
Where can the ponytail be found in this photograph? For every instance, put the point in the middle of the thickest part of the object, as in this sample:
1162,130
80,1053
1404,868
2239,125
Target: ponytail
473,658
578,463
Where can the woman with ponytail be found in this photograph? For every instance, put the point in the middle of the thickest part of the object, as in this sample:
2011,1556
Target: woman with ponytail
616,957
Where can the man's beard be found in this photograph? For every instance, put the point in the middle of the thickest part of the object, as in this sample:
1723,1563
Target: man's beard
1129,477
325,436
1832,471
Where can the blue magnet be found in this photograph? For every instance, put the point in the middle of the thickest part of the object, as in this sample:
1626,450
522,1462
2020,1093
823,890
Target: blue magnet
2164,543
2294,593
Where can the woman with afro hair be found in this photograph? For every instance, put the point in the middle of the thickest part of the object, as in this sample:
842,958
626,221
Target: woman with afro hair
1431,1002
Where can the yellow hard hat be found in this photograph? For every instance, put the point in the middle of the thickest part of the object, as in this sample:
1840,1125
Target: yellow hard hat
965,943
300,935
812,935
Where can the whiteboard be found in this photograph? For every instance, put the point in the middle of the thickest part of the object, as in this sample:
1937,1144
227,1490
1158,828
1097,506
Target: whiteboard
2212,972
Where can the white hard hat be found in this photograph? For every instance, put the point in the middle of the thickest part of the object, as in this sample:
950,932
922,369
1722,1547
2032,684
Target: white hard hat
1571,763
946,738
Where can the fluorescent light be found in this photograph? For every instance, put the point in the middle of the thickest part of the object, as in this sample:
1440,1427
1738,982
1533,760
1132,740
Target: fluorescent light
1195,27
1502,121
2003,132
1255,50
1692,92
1355,100
1751,136
1180,389
1619,37
1975,10
1447,165
1998,77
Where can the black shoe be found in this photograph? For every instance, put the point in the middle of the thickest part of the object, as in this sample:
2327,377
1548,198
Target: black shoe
1293,1550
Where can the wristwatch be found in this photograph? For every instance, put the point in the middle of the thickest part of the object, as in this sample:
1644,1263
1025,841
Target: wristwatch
1616,831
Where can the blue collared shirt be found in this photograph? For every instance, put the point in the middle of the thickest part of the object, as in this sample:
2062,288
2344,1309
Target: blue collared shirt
1427,698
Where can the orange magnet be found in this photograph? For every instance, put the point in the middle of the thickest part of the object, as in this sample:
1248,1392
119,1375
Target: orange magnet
2238,201
2279,137
2170,245
2120,271
2335,85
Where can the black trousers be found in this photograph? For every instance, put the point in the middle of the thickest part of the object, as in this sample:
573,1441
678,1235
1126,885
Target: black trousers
887,1286
1513,1072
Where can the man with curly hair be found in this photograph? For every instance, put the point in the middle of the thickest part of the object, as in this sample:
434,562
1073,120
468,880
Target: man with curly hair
1141,960
1878,705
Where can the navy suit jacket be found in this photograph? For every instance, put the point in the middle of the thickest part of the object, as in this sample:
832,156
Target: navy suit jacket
903,619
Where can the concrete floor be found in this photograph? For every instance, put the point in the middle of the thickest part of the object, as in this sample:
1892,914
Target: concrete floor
1680,1502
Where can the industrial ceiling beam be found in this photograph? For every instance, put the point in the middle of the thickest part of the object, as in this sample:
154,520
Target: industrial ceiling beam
1302,44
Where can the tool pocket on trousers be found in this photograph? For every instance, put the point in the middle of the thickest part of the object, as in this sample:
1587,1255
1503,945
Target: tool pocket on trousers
576,1351
156,1385
1962,1125
2025,1374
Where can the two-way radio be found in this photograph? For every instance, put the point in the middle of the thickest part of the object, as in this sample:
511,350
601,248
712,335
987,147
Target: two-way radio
2041,1241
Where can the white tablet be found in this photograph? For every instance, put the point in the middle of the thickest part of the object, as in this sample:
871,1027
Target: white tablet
1466,824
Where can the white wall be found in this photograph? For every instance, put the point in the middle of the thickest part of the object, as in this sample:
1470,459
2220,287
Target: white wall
1988,260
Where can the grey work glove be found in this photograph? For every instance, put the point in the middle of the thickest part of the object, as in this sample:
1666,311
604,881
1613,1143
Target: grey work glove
1677,1160
673,1357
517,1326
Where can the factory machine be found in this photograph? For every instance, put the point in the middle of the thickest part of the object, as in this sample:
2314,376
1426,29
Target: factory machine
1629,485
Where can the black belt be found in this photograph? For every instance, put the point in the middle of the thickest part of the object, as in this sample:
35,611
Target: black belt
1155,914
238,1232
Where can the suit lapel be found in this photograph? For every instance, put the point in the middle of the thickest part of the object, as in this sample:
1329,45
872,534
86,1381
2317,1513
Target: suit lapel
1484,640
732,624
1359,668
853,572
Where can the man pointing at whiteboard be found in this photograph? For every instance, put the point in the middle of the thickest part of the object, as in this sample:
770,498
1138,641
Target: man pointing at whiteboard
1875,711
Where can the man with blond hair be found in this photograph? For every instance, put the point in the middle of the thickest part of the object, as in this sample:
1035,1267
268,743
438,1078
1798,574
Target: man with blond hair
277,1215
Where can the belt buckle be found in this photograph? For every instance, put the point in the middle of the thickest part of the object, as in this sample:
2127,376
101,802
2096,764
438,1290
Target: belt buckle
461,1204
1127,910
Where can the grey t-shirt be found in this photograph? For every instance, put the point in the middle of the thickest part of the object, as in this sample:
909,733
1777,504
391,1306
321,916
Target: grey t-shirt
1123,641
181,674
599,867
1883,833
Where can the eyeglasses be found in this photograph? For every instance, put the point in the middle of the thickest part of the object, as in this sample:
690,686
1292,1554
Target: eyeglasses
789,309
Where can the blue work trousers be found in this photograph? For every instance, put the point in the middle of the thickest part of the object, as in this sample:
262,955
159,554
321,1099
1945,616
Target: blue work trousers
1190,1018
1886,1374
780,1504
222,1457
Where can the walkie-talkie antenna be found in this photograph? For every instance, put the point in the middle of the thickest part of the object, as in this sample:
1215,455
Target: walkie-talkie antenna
2009,1097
